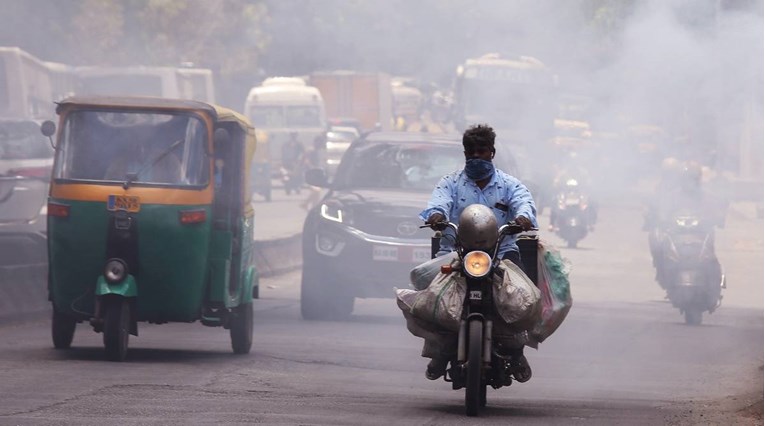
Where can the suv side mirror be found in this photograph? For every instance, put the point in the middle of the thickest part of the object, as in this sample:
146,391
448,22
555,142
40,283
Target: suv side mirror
316,177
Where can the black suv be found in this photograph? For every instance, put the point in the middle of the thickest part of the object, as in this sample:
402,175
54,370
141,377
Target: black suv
363,238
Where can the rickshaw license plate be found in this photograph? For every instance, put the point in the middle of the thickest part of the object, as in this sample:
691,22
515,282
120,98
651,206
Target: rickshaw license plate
127,203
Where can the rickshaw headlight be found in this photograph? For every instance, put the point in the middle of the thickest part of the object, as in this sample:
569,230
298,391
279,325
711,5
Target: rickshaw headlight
477,264
115,271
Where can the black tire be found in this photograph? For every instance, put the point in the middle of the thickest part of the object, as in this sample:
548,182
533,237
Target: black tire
473,383
241,328
483,395
693,316
116,328
319,301
62,330
571,244
256,292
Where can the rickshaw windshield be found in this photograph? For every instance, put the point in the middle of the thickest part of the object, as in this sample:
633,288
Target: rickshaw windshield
138,147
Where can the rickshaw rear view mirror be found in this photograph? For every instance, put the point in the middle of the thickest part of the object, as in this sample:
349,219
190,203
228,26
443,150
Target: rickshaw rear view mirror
48,128
316,177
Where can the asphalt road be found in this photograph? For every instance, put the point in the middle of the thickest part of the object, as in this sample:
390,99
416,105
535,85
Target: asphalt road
623,356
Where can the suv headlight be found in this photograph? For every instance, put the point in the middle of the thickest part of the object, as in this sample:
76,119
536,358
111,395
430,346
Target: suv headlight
333,212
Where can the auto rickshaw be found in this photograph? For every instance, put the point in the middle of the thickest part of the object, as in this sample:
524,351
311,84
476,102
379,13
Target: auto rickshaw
149,218
261,167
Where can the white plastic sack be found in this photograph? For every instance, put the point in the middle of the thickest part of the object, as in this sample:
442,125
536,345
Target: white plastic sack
516,298
424,274
441,302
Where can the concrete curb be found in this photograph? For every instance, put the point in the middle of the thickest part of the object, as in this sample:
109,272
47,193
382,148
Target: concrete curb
277,256
24,293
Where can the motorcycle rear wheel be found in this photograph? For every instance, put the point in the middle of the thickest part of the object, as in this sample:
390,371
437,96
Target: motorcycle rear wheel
473,371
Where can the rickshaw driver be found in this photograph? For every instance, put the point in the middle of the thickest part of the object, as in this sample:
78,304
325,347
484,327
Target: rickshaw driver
149,162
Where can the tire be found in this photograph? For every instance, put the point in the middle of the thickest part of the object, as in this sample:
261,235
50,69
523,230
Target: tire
693,316
241,328
62,330
116,328
319,301
473,371
571,244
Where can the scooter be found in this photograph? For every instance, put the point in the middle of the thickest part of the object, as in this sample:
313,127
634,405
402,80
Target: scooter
689,269
571,217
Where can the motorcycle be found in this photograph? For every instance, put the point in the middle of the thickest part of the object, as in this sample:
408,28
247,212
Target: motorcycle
689,269
480,361
571,216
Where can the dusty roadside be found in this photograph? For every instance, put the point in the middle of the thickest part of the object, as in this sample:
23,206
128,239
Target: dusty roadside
743,409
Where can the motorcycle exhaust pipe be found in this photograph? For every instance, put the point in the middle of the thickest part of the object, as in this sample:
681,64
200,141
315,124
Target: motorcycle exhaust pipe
461,342
487,341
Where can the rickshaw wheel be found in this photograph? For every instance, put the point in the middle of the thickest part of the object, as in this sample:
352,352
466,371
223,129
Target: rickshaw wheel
116,328
241,328
62,330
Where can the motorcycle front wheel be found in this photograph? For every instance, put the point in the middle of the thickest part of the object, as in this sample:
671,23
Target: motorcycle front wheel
473,371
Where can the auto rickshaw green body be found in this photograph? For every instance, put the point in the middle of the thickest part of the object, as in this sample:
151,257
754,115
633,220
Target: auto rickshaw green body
172,250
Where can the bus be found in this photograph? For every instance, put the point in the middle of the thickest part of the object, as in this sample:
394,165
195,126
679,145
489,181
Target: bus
26,90
515,95
165,82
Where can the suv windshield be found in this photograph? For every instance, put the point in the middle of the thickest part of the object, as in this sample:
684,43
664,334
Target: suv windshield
142,147
416,166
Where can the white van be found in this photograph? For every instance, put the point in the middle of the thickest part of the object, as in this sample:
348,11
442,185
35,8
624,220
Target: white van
282,105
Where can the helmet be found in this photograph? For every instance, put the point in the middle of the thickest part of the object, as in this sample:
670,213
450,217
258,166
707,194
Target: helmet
478,228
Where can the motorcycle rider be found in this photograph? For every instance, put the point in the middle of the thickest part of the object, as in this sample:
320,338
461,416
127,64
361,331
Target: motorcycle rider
573,180
479,182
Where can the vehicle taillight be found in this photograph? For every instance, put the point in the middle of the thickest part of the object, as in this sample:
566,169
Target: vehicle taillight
188,217
33,172
58,210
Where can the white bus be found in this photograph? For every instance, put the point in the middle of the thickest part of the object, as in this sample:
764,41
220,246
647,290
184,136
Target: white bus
26,90
165,82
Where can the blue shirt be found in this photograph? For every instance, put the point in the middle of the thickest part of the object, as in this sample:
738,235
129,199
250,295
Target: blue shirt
456,191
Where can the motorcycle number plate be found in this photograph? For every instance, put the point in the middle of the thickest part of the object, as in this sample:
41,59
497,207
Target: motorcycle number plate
475,294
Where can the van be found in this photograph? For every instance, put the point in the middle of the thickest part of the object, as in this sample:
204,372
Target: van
284,105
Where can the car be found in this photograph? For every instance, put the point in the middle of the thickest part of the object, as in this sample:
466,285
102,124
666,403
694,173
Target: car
26,159
364,237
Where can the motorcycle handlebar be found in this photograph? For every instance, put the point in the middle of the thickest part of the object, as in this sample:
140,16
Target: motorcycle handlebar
510,228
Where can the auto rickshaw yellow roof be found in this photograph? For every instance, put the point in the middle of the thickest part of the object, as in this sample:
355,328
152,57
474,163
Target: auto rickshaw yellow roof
136,102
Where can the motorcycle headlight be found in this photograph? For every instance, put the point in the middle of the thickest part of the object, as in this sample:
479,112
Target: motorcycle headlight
115,271
477,264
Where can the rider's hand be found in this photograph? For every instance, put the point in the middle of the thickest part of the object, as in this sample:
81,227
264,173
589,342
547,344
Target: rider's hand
433,221
524,222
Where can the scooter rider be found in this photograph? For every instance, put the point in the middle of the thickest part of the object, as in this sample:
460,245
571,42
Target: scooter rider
687,195
479,182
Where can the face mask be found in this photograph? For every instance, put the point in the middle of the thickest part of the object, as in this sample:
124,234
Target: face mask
477,169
